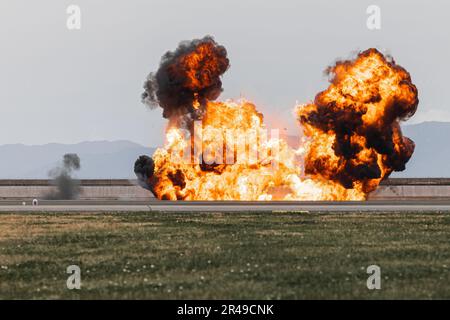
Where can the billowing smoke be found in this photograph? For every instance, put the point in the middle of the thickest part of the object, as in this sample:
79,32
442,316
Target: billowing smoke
185,81
187,78
66,187
144,168
353,136
354,128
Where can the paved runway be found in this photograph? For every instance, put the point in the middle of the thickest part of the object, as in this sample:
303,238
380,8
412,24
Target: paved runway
224,206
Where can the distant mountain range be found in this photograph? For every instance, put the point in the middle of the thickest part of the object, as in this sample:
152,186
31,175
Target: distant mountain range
431,157
99,159
115,159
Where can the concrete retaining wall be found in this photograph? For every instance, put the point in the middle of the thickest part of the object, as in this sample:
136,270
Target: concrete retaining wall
87,192
128,190
411,192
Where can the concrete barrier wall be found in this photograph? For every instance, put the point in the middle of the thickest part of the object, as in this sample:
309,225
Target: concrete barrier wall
411,192
23,192
87,192
127,190
117,192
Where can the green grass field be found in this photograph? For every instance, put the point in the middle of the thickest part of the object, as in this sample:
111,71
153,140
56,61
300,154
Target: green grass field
224,255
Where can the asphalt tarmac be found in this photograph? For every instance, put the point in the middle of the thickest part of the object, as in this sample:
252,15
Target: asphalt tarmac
225,206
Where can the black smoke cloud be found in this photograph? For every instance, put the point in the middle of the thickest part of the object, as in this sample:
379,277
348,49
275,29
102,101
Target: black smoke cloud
185,81
190,74
66,187
144,168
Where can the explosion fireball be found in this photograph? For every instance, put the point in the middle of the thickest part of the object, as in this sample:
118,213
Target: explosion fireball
222,150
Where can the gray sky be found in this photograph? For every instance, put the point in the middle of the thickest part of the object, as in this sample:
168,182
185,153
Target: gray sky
70,86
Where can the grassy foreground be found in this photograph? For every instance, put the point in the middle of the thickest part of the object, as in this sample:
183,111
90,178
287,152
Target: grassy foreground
224,255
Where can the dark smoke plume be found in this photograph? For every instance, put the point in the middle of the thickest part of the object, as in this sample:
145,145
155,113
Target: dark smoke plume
187,78
144,168
67,188
185,81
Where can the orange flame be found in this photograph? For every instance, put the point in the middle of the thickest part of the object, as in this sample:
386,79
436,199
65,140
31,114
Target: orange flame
353,139
356,139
